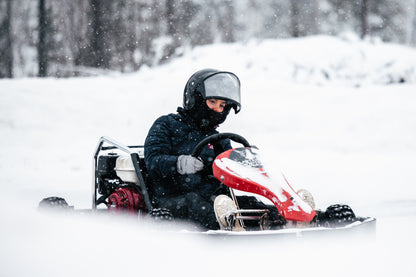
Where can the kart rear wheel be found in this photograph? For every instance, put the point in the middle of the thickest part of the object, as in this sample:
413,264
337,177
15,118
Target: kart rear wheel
57,203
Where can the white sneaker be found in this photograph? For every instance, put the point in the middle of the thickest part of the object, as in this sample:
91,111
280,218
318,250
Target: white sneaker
225,207
307,197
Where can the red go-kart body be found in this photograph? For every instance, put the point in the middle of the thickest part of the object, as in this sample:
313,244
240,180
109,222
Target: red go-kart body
240,169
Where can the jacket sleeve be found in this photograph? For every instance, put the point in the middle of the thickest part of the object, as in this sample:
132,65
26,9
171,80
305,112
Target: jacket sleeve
160,163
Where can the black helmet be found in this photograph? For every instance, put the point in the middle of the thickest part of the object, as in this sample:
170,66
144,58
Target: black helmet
212,83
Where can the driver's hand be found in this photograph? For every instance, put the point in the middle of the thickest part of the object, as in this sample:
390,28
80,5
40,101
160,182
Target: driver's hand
187,164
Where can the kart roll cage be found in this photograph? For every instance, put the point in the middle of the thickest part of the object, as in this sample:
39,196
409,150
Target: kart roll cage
134,155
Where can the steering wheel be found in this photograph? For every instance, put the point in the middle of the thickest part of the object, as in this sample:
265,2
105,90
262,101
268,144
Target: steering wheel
216,138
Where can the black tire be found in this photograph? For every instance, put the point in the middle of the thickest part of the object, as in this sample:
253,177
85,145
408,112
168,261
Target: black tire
338,215
161,214
56,203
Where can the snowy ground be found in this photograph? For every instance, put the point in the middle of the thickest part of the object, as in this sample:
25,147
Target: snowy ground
329,111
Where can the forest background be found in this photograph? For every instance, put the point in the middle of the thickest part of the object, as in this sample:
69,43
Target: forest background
66,38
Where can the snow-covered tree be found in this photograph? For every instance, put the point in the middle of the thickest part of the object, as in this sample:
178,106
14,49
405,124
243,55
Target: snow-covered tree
6,51
72,37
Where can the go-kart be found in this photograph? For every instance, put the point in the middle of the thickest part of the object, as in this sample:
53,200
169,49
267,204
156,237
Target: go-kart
120,185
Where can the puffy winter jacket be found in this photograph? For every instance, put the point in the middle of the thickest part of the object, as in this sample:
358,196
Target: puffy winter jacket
170,136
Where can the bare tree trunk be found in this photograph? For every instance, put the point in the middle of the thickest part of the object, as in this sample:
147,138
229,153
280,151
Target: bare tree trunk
98,44
364,10
314,29
412,40
170,16
294,18
226,21
6,50
172,22
42,51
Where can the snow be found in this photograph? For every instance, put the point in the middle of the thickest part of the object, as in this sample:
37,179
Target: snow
330,111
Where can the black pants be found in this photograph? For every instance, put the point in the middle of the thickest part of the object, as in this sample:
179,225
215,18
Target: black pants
199,210
191,207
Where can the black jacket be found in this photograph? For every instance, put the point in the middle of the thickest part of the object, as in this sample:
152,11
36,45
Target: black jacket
173,135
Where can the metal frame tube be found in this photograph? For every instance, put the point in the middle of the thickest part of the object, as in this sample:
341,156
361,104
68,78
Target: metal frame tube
135,159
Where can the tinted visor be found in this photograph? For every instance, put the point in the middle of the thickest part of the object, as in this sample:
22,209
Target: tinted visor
224,86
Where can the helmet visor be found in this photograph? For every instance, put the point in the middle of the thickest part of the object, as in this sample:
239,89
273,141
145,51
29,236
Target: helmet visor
224,86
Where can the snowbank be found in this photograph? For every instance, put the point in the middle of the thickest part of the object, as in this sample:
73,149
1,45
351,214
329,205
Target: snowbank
318,60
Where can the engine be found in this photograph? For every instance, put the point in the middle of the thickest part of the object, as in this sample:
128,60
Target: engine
118,184
126,200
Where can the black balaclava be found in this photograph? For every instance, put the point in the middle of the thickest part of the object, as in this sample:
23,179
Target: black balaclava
204,117
210,119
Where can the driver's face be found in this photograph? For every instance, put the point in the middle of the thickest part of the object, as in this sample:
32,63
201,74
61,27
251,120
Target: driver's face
216,105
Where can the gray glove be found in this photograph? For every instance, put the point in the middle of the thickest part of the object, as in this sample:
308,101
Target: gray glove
187,164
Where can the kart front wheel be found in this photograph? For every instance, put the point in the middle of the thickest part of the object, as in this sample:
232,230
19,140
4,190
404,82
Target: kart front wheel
336,216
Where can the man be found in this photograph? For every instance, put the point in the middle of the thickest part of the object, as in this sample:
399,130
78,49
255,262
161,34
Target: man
182,183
